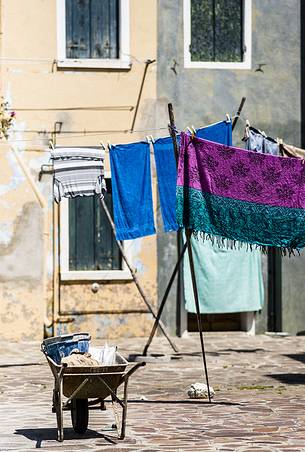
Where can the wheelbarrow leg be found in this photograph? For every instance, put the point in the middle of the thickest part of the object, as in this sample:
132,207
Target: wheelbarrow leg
124,414
59,413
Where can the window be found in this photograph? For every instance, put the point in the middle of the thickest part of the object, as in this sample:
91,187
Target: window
217,34
93,33
88,248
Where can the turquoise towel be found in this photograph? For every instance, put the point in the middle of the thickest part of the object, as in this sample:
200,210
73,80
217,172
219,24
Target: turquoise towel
227,280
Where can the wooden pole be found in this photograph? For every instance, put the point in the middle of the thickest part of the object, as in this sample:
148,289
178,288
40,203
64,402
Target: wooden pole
241,106
188,234
134,276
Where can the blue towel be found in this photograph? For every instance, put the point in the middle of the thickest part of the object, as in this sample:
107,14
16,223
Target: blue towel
220,132
131,190
167,176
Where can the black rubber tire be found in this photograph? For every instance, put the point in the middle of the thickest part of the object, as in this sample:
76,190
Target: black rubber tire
79,415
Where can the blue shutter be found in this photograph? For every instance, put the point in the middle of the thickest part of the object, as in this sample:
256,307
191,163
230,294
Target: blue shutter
91,242
92,28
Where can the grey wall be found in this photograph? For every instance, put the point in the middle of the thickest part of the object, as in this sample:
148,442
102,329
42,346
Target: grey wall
203,96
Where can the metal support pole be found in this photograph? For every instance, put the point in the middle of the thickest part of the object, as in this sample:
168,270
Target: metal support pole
188,234
147,63
161,307
134,276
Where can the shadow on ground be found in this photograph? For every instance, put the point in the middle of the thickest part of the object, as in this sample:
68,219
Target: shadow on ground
289,379
297,357
50,434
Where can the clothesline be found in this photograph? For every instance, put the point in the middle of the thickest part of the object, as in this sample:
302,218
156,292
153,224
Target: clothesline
85,134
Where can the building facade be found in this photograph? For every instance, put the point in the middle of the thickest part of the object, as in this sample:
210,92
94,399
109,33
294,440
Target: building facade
75,72
210,54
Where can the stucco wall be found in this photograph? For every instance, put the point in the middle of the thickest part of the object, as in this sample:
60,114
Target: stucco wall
203,96
34,86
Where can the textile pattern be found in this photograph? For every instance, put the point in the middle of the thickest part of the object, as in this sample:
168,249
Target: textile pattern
241,195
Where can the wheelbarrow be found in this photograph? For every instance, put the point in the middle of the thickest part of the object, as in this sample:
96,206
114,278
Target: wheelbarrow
86,388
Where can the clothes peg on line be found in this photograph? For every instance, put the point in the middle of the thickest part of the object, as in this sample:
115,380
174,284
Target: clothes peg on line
228,117
51,145
103,146
194,130
152,138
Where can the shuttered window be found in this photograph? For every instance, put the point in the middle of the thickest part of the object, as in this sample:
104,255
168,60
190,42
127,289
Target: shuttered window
217,30
91,242
92,29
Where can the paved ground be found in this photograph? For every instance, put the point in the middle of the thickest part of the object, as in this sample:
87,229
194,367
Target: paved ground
259,403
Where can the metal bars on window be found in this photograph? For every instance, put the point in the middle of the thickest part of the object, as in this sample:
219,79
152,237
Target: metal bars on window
217,30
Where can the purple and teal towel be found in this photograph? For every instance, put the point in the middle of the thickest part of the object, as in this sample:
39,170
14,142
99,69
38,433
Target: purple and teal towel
230,193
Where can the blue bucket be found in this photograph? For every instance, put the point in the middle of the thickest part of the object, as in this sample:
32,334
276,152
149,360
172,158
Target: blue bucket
60,346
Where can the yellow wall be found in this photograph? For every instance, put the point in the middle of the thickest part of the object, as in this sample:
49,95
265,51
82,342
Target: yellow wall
30,80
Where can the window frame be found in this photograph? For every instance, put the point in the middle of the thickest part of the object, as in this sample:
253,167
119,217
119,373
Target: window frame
87,275
247,40
123,62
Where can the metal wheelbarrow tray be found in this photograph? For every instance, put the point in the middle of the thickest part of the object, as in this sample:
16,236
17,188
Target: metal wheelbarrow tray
78,384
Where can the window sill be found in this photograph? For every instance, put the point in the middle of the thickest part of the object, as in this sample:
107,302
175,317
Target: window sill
216,65
94,64
97,275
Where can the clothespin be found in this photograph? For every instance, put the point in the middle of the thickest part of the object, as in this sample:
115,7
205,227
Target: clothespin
103,146
149,139
228,117
279,141
194,130
51,145
247,123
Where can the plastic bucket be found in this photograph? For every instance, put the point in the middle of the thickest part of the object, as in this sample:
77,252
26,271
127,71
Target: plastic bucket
60,346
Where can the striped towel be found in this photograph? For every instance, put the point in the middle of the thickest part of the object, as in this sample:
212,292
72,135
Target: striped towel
78,172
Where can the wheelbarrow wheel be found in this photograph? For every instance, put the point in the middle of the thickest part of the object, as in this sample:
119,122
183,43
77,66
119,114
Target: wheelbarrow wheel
79,415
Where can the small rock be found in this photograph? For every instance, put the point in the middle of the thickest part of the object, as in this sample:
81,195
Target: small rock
200,391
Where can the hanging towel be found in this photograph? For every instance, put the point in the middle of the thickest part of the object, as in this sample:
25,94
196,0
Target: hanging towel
287,150
227,192
78,172
256,141
227,280
220,132
220,270
131,190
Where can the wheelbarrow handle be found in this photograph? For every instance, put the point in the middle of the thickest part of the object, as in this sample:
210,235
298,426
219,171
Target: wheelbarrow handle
133,369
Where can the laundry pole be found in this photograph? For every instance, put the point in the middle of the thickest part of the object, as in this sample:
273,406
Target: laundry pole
188,234
135,278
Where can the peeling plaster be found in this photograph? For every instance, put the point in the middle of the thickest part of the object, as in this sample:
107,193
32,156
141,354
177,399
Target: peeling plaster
17,176
19,258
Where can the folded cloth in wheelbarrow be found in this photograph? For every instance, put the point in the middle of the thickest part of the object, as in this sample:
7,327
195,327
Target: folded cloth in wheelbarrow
224,192
79,359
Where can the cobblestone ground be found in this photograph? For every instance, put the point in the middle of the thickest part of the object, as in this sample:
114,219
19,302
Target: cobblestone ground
259,403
